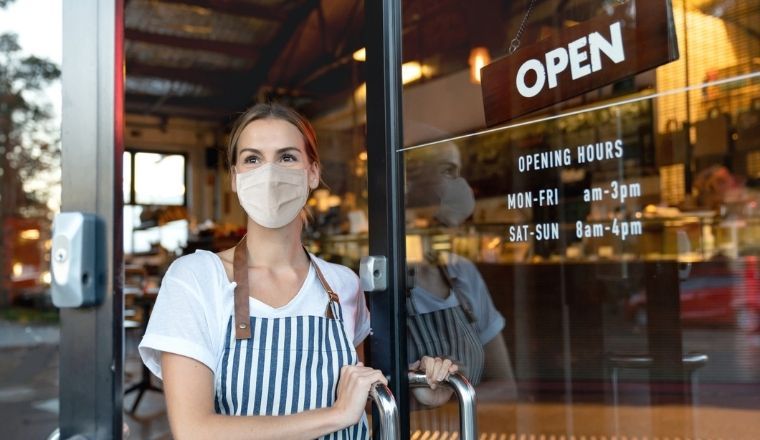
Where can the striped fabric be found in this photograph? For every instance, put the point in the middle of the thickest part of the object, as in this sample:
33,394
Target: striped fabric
288,365
445,333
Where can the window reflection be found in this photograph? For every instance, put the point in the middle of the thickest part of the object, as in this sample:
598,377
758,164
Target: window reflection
629,283
639,300
450,312
159,179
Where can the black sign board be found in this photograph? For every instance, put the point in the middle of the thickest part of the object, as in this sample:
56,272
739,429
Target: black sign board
635,36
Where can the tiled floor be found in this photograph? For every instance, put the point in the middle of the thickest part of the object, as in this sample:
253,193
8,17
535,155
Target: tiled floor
29,387
149,420
28,381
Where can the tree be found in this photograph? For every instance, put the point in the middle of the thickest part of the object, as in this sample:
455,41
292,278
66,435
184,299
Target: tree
29,142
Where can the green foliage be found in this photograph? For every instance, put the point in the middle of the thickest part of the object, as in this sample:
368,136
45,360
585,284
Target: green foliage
28,140
30,315
29,145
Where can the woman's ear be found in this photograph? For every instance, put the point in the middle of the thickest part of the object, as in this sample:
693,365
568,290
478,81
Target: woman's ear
314,176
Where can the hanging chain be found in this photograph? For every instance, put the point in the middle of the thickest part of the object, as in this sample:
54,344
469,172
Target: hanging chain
515,43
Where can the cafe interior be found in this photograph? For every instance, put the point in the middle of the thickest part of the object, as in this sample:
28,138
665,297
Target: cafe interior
651,335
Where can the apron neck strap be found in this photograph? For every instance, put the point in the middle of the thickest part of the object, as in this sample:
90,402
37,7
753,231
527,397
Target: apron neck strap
334,300
242,305
458,293
444,271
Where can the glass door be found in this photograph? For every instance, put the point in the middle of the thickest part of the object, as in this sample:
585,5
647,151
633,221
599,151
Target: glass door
592,264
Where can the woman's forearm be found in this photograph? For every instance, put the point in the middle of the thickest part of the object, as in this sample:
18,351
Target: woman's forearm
304,425
189,392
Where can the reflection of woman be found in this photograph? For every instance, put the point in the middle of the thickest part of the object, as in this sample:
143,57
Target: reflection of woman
451,313
278,342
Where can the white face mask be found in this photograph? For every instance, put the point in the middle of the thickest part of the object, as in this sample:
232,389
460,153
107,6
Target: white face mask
272,195
457,201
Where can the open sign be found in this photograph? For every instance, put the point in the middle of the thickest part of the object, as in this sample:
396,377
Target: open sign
580,59
581,62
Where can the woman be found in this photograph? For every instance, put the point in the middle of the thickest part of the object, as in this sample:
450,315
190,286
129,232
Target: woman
266,329
449,307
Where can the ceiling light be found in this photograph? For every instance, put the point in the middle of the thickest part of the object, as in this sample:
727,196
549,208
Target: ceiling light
479,58
412,71
30,234
361,54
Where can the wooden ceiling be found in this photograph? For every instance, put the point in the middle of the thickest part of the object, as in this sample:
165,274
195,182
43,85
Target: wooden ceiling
210,59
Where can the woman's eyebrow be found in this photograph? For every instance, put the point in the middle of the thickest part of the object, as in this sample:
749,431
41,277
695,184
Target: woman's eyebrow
288,149
279,151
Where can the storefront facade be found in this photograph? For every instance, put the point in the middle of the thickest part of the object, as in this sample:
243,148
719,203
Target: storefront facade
604,245
615,229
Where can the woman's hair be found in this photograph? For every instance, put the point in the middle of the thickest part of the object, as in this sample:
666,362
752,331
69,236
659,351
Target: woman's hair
273,110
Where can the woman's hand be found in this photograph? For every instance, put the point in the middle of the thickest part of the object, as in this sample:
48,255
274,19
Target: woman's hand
354,385
436,370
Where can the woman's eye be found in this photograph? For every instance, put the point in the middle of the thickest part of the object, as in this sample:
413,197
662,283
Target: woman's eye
251,159
288,158
450,171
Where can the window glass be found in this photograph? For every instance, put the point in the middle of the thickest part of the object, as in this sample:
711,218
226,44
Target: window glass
30,198
159,179
602,255
157,215
127,177
146,228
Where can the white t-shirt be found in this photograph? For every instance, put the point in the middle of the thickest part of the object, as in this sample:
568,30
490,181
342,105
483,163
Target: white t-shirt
465,276
196,300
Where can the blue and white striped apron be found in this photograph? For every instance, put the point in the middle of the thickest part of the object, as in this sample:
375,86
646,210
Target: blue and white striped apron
447,333
286,365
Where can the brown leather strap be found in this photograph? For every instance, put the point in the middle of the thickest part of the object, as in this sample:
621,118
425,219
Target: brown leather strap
325,285
242,307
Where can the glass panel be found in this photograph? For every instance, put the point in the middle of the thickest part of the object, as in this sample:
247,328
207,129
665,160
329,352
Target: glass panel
30,197
594,269
338,225
127,180
146,236
130,219
159,179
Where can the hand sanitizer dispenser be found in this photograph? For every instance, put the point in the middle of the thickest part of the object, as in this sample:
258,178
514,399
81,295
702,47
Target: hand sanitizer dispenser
77,260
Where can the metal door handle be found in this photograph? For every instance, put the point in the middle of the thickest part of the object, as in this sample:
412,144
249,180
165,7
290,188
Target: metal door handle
465,392
383,399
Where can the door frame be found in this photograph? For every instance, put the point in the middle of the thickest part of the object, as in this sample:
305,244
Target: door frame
387,348
91,359
91,351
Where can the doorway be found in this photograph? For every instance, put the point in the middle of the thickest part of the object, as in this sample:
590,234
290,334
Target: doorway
646,332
